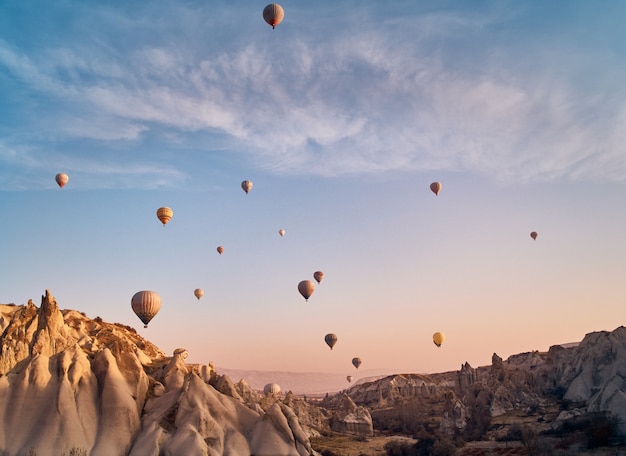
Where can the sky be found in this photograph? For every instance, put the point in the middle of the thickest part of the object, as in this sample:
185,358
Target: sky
341,117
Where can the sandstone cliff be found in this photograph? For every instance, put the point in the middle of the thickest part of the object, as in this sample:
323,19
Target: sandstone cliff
67,381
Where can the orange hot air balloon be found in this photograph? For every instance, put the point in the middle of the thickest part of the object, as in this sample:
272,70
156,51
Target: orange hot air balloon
281,232
331,340
273,14
247,186
435,187
198,292
356,362
61,179
533,235
318,276
146,304
164,214
438,338
220,249
306,289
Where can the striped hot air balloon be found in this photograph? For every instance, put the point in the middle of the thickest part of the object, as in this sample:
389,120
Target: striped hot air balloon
146,304
273,14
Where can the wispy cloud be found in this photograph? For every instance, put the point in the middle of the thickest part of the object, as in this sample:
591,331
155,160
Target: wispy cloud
374,100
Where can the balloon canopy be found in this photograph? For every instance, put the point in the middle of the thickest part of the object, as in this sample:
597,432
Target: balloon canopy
61,179
247,186
273,14
438,338
146,304
318,276
306,289
164,214
331,340
435,187
356,362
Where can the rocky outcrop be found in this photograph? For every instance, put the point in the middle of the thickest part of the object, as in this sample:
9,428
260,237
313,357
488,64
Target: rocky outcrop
352,419
591,375
69,382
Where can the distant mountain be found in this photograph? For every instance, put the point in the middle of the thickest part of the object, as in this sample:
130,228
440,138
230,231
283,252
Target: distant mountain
302,383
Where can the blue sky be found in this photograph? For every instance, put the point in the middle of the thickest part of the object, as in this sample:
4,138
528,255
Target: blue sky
341,117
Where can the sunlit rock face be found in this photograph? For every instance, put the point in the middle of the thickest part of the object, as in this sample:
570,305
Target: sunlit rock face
69,382
352,419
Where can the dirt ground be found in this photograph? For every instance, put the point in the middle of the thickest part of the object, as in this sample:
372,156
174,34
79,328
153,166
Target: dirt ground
342,445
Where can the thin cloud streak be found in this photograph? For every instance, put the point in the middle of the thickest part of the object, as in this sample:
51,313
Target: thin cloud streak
304,112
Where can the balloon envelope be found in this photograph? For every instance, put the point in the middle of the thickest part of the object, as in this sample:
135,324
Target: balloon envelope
247,186
331,340
271,389
435,187
146,304
438,338
356,362
533,235
318,276
220,249
61,179
273,14
349,378
199,292
164,214
306,288
281,232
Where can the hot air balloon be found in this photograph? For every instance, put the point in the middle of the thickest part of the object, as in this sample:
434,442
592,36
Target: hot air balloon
271,389
61,179
146,305
220,249
318,276
533,235
273,14
438,338
306,289
247,186
164,214
435,187
331,340
199,292
349,378
356,362
281,232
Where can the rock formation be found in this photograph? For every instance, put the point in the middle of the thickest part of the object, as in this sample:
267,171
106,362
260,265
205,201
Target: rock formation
69,382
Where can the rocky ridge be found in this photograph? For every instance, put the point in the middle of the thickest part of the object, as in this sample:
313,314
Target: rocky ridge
69,382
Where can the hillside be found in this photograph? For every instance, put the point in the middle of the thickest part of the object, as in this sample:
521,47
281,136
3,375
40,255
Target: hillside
69,383
73,385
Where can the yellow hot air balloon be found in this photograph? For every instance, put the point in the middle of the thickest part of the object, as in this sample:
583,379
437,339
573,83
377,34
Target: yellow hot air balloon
247,186
318,276
273,14
331,340
61,179
435,187
164,214
146,304
438,338
533,235
220,249
198,292
349,378
281,232
306,289
356,362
